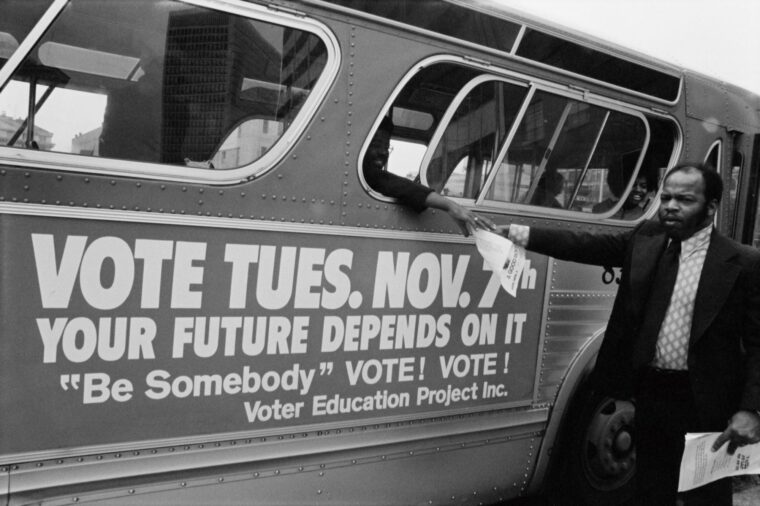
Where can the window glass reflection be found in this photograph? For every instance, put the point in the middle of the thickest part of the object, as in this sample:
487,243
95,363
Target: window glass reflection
161,82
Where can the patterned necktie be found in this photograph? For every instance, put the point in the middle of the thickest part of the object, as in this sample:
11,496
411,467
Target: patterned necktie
657,305
673,341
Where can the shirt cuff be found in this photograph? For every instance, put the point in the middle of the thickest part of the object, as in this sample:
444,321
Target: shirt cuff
519,234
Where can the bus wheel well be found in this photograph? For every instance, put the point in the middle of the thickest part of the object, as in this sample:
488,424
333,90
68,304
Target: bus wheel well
595,460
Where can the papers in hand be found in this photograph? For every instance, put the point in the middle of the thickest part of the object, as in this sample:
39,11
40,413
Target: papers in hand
503,257
700,465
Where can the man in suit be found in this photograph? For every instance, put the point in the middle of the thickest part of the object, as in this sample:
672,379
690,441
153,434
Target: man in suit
683,338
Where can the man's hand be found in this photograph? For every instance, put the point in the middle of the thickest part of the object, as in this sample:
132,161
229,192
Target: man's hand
465,220
743,429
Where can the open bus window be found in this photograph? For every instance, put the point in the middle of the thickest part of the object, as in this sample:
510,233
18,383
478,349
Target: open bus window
473,137
503,142
405,157
161,82
417,112
548,153
564,154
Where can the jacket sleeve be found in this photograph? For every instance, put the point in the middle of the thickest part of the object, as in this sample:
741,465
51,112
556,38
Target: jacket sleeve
583,247
408,192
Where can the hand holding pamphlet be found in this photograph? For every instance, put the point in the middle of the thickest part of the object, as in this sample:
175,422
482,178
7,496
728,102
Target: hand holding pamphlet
700,465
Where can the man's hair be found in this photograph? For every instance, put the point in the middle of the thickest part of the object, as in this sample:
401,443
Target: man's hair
712,180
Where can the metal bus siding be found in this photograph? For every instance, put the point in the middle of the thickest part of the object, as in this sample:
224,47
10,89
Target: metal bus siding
312,195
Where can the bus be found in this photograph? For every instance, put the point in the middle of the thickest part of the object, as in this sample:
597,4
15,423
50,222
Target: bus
203,301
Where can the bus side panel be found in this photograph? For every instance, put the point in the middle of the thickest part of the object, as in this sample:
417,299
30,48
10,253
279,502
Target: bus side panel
199,331
580,299
488,467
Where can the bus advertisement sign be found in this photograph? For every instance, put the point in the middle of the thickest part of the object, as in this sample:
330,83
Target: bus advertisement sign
131,333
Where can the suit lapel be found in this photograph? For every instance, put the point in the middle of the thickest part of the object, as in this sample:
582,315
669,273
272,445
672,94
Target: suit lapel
718,277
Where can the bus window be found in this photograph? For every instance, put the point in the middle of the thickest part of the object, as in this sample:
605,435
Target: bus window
444,18
714,155
614,163
405,157
756,231
17,21
564,152
598,65
473,137
161,82
737,165
417,111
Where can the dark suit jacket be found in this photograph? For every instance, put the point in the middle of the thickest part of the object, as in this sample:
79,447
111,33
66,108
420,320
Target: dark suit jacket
724,349
407,192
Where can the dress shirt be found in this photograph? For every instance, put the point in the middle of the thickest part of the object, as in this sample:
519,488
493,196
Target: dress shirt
519,234
673,338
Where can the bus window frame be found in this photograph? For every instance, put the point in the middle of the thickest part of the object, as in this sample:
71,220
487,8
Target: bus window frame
26,45
442,126
551,86
749,228
533,86
716,145
592,43
737,179
596,46
73,162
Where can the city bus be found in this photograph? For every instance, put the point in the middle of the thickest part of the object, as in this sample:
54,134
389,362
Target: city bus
203,301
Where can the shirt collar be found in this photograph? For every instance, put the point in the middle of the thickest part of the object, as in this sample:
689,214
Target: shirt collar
698,241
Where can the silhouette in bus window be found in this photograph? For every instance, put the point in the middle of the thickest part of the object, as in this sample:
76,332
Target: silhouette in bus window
410,193
635,204
548,187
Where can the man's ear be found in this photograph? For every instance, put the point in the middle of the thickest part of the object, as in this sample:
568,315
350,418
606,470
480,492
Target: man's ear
712,208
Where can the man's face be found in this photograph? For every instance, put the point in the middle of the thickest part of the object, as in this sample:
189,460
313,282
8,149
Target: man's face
377,152
683,208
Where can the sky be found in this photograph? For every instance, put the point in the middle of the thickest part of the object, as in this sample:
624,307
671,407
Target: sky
720,38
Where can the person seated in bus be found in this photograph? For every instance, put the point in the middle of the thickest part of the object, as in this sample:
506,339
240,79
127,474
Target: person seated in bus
635,204
410,193
549,185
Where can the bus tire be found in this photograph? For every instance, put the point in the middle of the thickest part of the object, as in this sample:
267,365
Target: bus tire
600,462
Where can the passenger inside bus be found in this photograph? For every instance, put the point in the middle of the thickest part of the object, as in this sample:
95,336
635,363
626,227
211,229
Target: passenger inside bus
635,204
410,193
548,187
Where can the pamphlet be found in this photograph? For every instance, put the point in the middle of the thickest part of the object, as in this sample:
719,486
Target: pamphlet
700,465
503,257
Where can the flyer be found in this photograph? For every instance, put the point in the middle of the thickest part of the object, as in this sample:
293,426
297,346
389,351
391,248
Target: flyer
504,258
700,465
